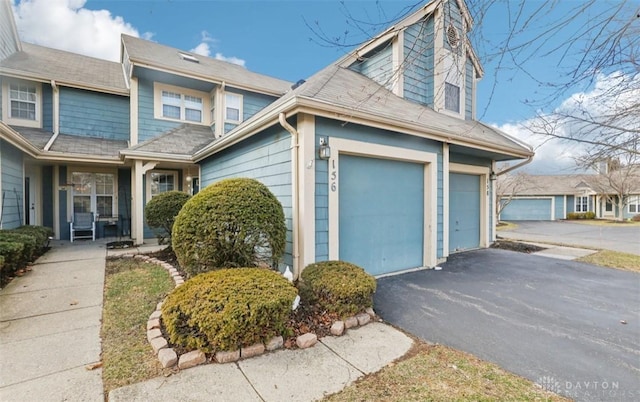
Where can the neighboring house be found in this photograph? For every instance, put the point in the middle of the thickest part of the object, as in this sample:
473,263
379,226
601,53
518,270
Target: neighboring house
551,197
377,159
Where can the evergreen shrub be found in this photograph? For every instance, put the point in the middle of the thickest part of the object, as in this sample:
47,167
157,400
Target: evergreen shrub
231,223
228,308
161,211
338,287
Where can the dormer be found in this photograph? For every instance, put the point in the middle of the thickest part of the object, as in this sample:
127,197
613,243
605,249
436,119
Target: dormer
426,58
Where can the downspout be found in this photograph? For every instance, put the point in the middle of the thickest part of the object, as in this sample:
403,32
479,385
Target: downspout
56,117
294,196
510,168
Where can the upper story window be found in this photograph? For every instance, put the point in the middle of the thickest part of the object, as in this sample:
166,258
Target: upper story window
453,80
22,103
180,104
233,108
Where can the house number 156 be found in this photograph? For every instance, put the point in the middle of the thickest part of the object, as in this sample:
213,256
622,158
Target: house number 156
334,176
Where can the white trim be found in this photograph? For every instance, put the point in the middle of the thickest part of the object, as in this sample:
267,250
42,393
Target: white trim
148,174
240,108
365,149
306,189
157,103
445,200
483,175
575,202
91,169
564,207
397,50
56,201
6,102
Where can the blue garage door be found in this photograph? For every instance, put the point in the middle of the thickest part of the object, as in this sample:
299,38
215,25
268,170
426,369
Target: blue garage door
527,210
464,211
381,208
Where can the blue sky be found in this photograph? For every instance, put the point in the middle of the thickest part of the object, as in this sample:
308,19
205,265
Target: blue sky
276,38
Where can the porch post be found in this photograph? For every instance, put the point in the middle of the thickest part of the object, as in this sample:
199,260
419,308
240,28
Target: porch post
137,200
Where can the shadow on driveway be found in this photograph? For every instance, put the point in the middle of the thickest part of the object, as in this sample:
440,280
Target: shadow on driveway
555,322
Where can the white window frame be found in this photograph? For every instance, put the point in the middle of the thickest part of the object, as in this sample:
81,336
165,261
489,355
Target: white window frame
6,104
578,203
635,202
94,195
166,172
453,63
159,88
240,99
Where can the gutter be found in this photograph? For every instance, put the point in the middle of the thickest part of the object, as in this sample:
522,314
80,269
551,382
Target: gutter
510,168
295,201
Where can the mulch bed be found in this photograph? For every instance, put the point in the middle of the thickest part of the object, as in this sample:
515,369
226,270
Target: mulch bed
303,320
516,246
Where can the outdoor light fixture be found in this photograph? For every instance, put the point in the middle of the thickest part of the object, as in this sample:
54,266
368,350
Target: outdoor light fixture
493,176
188,178
324,151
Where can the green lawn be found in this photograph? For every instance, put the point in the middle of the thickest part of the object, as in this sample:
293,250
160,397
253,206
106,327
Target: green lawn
132,291
614,259
604,222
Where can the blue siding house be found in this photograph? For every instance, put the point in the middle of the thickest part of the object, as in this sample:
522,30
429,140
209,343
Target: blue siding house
377,159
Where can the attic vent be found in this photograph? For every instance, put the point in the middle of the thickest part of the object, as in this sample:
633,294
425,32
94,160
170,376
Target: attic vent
189,57
452,36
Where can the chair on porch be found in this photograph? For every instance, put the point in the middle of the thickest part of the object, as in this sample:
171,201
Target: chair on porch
81,225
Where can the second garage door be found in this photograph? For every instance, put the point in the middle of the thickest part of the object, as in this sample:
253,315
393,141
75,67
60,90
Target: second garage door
531,209
381,213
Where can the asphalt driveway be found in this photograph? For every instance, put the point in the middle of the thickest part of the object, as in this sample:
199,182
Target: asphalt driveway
622,237
573,328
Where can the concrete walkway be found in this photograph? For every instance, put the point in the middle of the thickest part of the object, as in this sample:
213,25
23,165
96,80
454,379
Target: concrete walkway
50,334
285,375
50,327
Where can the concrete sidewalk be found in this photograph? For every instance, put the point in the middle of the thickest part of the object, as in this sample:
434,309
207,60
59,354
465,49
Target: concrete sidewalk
284,375
50,327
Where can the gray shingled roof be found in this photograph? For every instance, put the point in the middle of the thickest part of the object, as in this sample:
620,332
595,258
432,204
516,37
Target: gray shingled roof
65,68
161,56
355,93
183,140
74,144
566,184
36,136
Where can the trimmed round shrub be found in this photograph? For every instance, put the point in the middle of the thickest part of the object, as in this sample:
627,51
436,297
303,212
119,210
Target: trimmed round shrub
29,244
228,308
232,223
338,287
161,211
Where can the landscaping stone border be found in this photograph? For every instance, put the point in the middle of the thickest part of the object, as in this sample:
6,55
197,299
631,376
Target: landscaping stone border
169,358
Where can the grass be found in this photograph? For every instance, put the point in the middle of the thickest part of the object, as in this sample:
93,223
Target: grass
132,290
503,225
614,259
439,373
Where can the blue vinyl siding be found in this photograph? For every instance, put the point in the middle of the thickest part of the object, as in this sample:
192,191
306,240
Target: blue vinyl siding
468,91
559,207
326,128
148,126
377,65
47,196
93,114
452,14
419,59
252,103
11,165
469,160
265,157
464,211
47,107
381,217
229,126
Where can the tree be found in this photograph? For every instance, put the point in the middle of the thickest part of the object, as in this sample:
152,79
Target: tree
616,181
594,100
509,186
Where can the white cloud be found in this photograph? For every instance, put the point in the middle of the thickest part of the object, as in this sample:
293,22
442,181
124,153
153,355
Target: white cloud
67,25
204,49
606,113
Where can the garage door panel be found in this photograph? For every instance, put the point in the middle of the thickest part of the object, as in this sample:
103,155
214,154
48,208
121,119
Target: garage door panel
538,209
381,208
464,211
